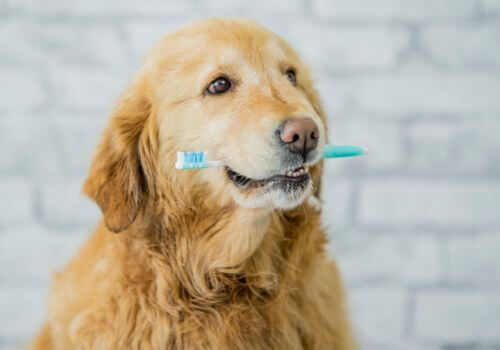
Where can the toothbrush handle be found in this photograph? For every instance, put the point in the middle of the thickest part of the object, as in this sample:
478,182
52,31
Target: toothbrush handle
202,165
214,163
338,151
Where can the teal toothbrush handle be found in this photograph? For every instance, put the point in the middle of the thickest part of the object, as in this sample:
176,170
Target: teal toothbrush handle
338,151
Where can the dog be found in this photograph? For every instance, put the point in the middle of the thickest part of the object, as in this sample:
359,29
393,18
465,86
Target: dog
225,258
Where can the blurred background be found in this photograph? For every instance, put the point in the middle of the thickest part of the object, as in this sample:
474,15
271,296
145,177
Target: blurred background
415,226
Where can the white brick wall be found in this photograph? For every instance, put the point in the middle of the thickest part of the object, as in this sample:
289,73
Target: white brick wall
463,45
348,48
17,83
419,90
458,316
22,312
415,226
379,134
491,7
396,10
75,86
409,259
466,146
99,8
259,6
32,148
379,315
474,259
25,49
99,45
79,135
435,203
16,202
62,204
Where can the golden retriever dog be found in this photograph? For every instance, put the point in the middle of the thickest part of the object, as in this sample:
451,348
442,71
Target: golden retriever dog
232,257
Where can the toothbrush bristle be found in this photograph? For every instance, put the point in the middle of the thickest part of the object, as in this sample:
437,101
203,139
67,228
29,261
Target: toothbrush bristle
195,160
192,157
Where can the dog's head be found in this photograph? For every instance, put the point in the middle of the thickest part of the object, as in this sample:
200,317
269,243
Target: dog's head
228,87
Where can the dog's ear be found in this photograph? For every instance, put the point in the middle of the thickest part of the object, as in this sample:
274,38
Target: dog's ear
118,178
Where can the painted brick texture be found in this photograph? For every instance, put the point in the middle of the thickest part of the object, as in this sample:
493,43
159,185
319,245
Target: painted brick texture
415,227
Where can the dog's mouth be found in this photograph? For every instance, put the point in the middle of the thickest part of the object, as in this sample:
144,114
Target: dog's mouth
290,181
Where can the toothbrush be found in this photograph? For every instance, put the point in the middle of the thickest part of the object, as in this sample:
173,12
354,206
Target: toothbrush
199,159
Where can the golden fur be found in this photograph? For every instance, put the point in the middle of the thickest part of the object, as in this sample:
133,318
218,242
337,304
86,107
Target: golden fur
197,264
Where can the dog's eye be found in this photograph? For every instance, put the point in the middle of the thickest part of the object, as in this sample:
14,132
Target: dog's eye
290,75
218,86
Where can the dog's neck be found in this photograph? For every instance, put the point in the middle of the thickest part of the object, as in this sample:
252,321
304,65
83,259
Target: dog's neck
208,254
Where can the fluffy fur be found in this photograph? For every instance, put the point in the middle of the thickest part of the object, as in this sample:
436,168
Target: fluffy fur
183,259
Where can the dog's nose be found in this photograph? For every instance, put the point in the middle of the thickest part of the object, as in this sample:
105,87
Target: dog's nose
299,134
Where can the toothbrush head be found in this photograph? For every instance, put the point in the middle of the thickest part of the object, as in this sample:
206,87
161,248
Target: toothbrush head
195,160
191,160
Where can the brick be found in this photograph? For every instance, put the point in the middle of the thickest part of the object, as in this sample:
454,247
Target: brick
34,243
10,345
82,87
412,92
368,73
474,259
383,138
339,95
430,202
457,316
20,88
462,147
344,48
63,205
412,10
32,150
470,347
16,202
384,258
429,92
19,43
378,314
64,245
142,36
47,252
337,48
242,7
23,311
105,8
77,138
467,45
97,45
400,344
491,6
337,197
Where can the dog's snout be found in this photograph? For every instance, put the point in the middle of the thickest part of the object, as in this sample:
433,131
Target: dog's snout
299,134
